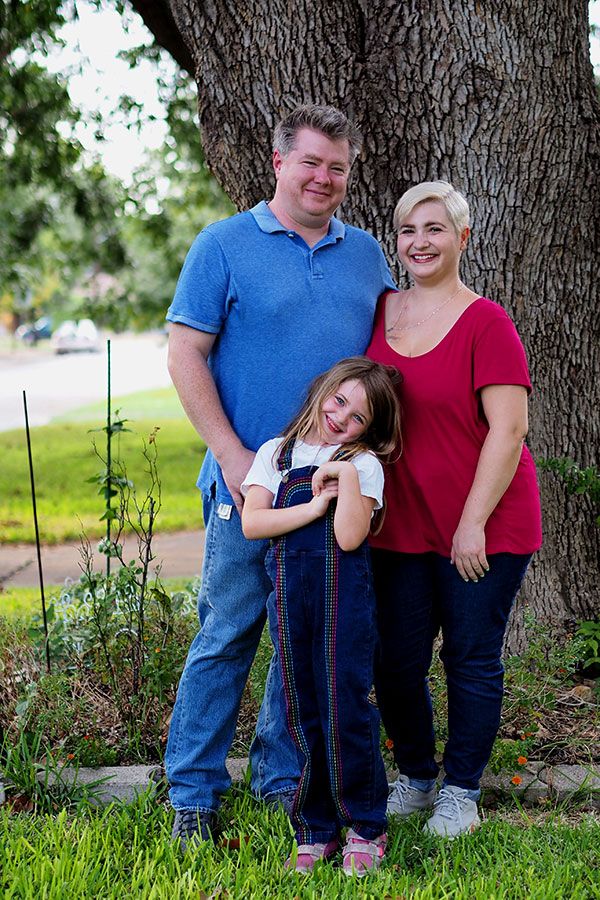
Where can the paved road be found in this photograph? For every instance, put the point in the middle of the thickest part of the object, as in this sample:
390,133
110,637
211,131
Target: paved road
179,553
57,384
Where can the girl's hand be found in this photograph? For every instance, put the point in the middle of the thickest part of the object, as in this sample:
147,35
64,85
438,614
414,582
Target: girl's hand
468,552
321,501
327,472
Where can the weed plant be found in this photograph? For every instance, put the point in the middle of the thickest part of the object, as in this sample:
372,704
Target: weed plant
116,642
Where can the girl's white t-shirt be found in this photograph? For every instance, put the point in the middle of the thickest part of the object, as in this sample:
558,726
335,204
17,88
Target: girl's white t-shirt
263,470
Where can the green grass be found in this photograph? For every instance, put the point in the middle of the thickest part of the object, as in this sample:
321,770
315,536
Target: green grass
20,602
125,852
156,405
64,458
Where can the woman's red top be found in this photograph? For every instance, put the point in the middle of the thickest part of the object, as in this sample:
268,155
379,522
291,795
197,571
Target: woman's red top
443,432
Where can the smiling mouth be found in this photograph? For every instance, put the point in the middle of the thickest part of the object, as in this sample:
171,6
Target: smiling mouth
332,426
423,257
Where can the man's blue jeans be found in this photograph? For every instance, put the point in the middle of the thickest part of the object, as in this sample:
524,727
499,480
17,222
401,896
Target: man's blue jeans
417,595
232,613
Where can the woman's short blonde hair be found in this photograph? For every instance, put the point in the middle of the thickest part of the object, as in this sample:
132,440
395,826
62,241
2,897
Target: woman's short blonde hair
442,191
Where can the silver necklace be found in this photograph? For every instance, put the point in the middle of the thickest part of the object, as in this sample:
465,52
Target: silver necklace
396,327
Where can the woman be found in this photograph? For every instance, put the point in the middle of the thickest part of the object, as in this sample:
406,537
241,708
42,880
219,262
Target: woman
463,514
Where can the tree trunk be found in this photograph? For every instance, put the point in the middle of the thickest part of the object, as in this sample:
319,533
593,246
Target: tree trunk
499,99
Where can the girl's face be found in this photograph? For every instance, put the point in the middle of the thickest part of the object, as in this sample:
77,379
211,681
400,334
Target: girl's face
344,415
428,245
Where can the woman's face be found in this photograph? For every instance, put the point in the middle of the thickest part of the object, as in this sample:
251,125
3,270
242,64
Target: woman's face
428,245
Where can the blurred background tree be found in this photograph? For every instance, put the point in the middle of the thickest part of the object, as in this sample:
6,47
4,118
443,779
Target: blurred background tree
75,241
57,211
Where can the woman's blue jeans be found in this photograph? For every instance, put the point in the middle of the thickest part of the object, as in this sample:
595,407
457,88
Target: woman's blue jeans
232,613
417,595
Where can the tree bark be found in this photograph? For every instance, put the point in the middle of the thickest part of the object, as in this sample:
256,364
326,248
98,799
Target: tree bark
499,99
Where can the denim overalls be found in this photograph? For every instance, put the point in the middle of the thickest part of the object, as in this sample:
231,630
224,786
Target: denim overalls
322,620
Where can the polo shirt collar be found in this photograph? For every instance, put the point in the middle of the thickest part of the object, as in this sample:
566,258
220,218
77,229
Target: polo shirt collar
269,223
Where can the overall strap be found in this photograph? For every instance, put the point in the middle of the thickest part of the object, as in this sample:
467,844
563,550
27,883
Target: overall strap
284,459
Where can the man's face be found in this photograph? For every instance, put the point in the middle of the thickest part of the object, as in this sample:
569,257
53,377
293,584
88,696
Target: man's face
312,178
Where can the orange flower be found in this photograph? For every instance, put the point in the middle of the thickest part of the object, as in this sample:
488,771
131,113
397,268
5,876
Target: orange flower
70,756
87,737
389,744
516,779
157,649
522,760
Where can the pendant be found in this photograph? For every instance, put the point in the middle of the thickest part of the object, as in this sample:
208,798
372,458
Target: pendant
285,476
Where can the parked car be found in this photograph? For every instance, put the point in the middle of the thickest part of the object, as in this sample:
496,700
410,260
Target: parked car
32,332
72,337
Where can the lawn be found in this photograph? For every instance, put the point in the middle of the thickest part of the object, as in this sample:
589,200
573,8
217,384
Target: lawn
64,459
157,405
21,602
125,852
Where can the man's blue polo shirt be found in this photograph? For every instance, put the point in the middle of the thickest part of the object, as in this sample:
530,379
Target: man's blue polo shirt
283,312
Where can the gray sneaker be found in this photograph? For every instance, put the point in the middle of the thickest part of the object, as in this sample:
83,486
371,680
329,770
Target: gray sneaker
191,826
453,813
404,799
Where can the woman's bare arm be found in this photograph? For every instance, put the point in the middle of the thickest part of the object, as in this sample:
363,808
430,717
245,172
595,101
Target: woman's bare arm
505,408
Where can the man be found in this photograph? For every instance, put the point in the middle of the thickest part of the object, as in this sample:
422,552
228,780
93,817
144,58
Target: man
266,300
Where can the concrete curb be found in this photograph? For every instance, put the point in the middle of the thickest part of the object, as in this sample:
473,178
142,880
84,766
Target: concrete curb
539,784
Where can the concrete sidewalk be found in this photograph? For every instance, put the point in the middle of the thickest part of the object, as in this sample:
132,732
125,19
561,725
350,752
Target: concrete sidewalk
179,554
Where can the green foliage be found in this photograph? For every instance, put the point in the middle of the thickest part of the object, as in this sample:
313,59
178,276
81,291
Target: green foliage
173,196
75,242
583,482
121,630
32,773
116,644
535,720
589,635
117,647
57,215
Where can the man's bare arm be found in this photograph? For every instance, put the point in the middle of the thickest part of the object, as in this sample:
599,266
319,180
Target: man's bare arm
188,367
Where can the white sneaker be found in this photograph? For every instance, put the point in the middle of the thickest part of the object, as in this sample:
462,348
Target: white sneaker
404,799
453,813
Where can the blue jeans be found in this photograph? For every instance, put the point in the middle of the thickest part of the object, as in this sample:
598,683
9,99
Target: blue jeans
232,613
417,595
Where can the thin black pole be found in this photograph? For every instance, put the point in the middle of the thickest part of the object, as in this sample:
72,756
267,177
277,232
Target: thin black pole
37,536
108,462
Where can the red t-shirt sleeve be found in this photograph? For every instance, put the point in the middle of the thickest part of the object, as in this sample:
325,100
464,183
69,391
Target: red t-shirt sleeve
499,356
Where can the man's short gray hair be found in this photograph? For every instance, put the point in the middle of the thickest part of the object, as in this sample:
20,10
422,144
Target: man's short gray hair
327,119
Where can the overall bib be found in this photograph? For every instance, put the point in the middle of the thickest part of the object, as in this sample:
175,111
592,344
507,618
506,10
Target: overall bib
322,620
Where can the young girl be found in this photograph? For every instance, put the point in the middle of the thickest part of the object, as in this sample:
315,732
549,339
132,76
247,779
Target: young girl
314,491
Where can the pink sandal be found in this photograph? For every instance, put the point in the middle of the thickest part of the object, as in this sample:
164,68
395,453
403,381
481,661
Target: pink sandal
309,854
360,855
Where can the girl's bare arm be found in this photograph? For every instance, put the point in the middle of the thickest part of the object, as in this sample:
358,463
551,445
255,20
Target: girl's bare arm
260,520
352,518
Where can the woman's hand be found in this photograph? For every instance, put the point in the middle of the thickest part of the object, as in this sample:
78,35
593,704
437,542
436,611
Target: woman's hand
468,551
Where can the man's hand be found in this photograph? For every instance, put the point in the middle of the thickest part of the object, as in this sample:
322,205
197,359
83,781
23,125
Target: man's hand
235,467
